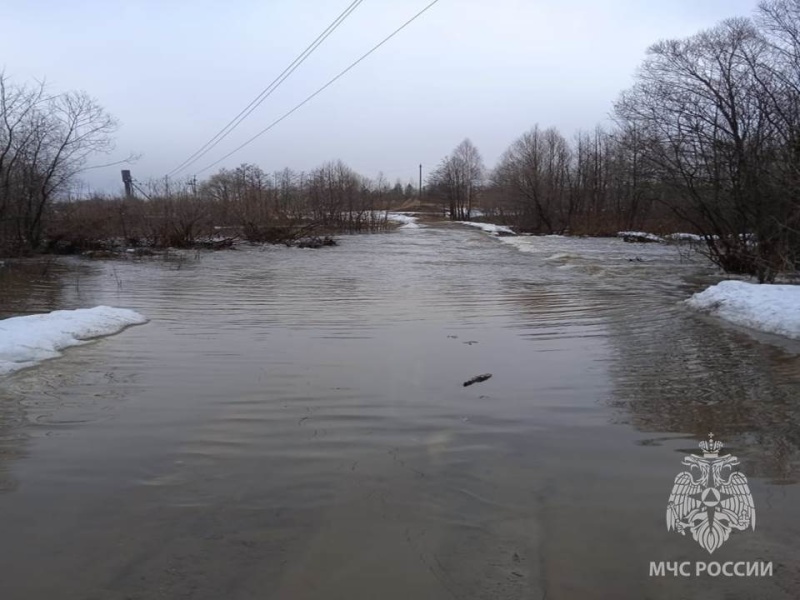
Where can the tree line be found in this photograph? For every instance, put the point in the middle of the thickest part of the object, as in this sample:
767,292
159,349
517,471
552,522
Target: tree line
46,140
240,203
707,140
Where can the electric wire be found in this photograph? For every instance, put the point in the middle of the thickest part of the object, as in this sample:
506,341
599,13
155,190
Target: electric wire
322,89
268,91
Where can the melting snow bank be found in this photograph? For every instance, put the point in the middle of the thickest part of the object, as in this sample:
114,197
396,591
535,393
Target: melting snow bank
26,341
769,308
489,228
408,221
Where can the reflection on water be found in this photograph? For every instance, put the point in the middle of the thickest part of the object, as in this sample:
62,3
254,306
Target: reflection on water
33,285
292,424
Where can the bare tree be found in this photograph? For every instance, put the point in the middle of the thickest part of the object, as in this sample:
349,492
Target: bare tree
779,21
702,105
45,141
535,171
458,181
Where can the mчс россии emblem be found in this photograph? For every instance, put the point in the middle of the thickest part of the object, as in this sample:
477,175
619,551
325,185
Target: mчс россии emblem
710,499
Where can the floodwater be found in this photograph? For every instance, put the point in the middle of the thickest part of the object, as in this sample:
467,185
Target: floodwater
291,424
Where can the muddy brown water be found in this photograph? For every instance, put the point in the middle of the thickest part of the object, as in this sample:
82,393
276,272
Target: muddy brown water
291,424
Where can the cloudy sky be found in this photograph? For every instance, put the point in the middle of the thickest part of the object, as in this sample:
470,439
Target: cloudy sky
175,72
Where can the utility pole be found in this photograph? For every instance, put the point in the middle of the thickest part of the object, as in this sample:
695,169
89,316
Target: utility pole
420,187
193,185
128,181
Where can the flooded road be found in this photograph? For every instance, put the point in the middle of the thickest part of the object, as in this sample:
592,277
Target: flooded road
291,424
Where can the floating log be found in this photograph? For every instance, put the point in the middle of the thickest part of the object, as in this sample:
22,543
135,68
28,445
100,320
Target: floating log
477,379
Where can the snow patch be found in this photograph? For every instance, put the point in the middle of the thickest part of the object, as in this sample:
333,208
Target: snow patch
475,212
401,218
489,227
408,221
769,308
27,341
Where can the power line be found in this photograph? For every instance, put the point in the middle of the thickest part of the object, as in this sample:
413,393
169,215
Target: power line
268,91
322,89
141,191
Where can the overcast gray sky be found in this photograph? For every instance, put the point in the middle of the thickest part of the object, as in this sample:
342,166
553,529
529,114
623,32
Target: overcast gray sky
174,72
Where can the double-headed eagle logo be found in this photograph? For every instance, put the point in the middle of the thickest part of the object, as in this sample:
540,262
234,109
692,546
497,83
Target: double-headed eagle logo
710,499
